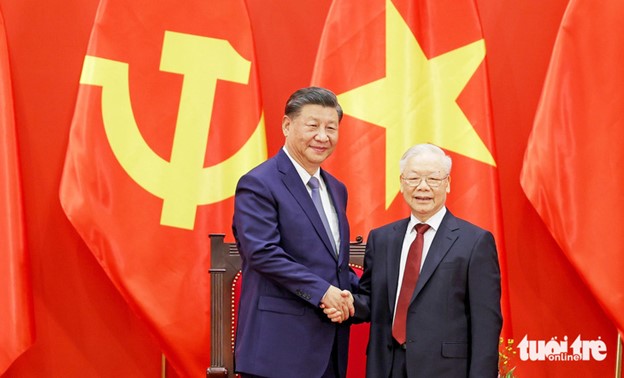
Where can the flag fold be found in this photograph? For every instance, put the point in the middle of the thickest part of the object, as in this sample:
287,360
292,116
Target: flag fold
572,165
17,330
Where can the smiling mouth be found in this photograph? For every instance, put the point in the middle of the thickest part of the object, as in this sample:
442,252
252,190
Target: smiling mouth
319,149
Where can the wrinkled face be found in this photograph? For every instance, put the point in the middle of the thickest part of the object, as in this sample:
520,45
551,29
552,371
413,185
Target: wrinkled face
425,184
311,136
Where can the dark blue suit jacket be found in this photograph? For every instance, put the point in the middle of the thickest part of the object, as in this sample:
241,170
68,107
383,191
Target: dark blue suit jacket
288,264
454,319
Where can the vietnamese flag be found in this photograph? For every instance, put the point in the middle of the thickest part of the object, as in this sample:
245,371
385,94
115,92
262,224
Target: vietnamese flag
409,72
16,318
168,117
572,171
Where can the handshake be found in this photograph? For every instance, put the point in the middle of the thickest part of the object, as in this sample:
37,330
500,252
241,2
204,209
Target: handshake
337,304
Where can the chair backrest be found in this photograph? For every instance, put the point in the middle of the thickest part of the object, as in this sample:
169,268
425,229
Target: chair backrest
225,277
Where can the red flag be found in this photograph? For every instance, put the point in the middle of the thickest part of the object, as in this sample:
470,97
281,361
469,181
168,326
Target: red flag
168,117
572,171
409,72
16,320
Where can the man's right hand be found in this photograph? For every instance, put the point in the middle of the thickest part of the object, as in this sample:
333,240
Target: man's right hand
337,304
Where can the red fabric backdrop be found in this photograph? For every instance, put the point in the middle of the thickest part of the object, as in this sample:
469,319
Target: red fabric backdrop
83,325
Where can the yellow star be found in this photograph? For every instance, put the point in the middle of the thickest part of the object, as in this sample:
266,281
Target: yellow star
416,101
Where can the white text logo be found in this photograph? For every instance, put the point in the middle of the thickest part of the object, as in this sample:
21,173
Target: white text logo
554,350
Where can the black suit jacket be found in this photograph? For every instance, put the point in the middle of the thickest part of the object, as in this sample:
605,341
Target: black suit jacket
454,319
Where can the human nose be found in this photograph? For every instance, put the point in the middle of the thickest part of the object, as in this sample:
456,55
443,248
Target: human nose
322,135
423,184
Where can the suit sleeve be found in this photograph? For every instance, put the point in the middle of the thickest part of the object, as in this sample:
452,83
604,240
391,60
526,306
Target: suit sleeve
484,292
256,230
362,298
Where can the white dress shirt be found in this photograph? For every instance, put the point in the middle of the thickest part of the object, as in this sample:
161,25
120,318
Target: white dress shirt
410,235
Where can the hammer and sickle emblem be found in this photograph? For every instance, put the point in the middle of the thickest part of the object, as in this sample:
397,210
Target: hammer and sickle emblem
182,183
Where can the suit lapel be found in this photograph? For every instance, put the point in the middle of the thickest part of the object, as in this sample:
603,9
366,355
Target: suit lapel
444,238
395,244
296,187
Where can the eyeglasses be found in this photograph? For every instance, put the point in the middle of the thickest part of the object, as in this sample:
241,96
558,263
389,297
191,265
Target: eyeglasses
432,182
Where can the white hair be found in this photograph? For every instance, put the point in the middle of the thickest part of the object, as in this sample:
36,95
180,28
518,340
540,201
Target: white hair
427,149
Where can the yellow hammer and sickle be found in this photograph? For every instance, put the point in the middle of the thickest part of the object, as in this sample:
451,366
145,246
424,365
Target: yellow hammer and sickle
183,183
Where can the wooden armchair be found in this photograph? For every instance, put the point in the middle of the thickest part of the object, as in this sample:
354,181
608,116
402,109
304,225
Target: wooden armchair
225,283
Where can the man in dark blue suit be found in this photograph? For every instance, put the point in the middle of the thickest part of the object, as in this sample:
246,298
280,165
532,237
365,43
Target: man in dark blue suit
452,319
295,252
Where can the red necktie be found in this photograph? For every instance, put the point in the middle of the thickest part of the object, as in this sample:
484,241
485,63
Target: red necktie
410,277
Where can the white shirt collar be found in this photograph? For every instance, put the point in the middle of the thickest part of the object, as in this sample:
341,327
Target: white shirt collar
434,221
305,176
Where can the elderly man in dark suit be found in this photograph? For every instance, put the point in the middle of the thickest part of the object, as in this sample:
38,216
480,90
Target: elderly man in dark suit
431,284
292,232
